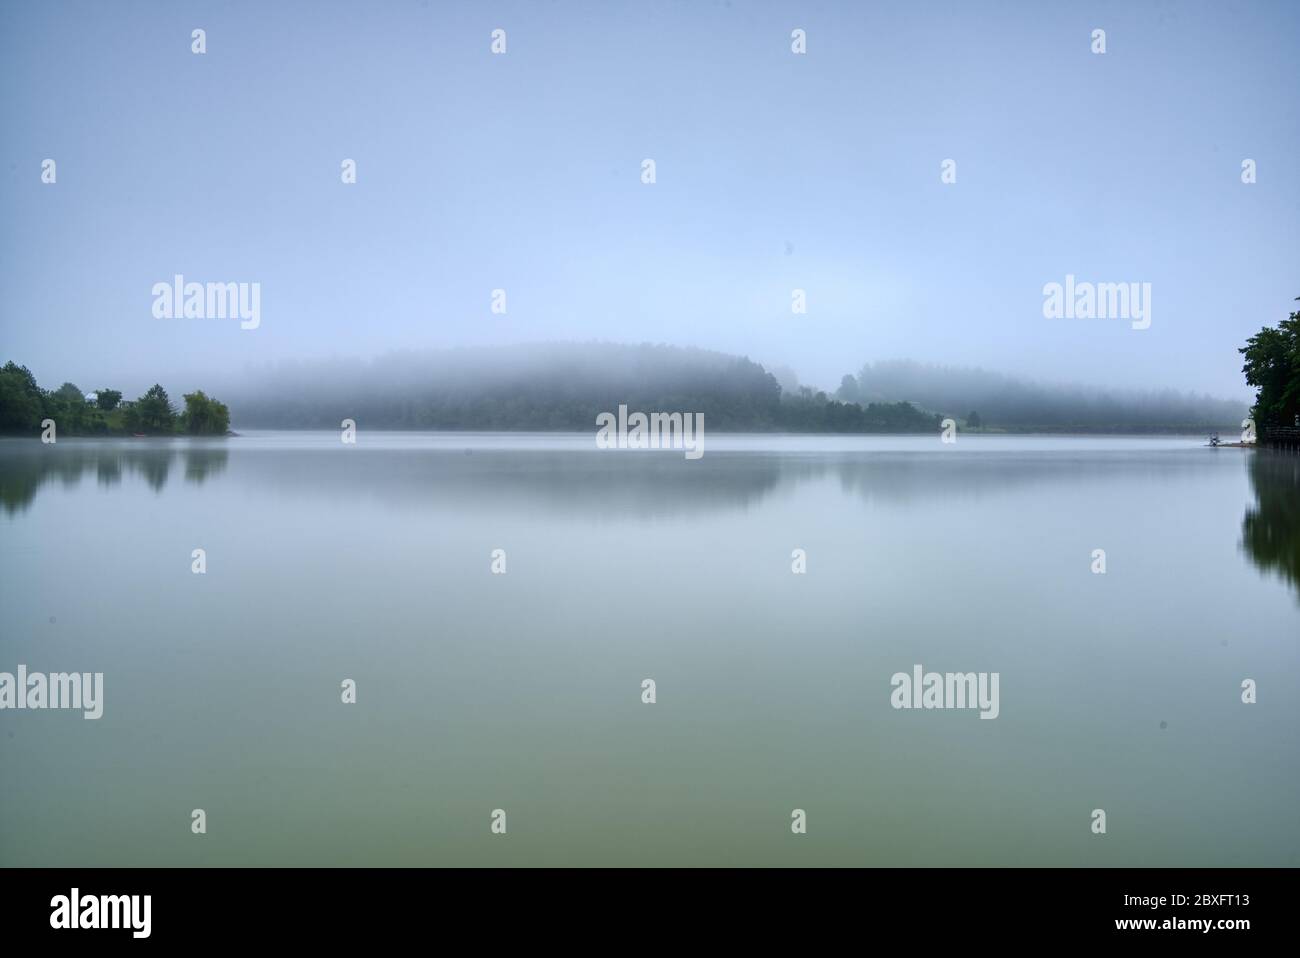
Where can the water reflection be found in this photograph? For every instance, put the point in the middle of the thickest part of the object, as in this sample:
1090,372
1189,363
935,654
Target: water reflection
1270,532
26,466
580,483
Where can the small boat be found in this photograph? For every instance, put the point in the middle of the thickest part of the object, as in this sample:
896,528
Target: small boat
1214,440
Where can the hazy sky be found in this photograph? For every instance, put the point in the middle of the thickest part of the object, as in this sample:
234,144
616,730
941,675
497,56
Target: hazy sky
775,171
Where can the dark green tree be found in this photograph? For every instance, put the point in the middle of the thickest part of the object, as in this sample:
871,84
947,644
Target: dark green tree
152,412
67,406
205,416
70,393
973,420
108,399
1273,367
21,402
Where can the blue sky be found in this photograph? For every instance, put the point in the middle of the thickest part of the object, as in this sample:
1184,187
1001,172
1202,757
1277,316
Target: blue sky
774,172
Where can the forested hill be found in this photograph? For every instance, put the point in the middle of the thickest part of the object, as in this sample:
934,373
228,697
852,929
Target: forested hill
548,387
1007,403
564,386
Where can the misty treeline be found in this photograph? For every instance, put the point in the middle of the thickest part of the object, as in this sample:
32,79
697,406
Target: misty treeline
24,406
550,387
564,386
1003,402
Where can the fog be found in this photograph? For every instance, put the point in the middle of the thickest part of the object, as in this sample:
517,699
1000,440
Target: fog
524,173
563,385
1010,401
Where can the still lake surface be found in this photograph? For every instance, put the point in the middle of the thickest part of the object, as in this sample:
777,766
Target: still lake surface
522,691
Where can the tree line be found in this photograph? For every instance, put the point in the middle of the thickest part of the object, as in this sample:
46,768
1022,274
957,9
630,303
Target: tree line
24,406
557,387
565,386
982,399
1272,366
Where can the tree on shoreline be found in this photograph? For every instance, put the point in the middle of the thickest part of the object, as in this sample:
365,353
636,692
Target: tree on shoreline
23,405
70,393
152,412
204,416
1273,367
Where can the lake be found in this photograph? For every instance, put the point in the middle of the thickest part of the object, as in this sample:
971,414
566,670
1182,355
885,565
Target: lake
478,691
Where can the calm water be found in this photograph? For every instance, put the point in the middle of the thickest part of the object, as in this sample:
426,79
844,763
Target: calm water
523,691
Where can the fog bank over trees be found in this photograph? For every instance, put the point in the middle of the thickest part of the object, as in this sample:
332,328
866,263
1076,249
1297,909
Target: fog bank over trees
563,386
554,386
1009,403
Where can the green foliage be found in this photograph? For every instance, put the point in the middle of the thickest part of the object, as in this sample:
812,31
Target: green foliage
69,393
204,416
973,420
22,405
152,412
74,416
1272,366
67,406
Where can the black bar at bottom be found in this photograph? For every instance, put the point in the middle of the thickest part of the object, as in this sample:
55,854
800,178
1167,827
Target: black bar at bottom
237,906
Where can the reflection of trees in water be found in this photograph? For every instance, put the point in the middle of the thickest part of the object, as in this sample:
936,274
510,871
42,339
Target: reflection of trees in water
154,467
574,482
661,484
26,466
1270,531
586,484
582,484
560,483
108,470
